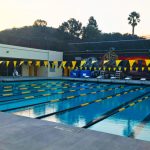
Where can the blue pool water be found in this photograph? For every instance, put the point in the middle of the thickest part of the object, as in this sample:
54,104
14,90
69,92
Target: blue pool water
112,108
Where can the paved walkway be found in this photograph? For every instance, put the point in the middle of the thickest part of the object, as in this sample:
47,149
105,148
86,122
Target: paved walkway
21,133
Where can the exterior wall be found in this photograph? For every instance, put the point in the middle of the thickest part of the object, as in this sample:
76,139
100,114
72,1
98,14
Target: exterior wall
16,52
25,70
8,51
32,71
55,56
57,73
42,71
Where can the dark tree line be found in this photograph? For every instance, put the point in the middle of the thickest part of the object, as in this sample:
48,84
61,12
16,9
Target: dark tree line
43,37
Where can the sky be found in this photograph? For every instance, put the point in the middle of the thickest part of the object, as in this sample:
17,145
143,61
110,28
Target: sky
111,15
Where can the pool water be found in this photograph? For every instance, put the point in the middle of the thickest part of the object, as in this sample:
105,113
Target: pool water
112,108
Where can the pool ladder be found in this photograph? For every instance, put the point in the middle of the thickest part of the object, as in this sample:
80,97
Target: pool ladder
118,74
102,74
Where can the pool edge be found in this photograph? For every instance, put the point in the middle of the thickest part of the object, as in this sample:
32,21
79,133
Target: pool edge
136,82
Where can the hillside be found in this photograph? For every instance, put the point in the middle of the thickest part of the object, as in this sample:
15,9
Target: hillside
36,37
49,38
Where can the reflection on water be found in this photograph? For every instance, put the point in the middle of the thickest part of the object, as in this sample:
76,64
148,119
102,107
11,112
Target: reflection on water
144,133
124,123
127,130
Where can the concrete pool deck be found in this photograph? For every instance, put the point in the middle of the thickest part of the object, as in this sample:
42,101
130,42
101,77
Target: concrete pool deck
119,81
22,133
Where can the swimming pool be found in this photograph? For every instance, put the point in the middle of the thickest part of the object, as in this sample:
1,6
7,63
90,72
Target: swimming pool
113,108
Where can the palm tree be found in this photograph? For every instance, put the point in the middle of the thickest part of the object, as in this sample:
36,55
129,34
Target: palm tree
134,19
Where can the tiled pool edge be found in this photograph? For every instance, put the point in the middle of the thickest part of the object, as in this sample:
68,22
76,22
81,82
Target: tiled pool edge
22,133
139,82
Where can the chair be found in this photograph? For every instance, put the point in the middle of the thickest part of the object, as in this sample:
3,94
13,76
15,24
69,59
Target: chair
112,78
143,79
99,77
128,78
86,76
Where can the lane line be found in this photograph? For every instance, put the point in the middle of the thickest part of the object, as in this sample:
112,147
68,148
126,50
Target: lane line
60,100
20,99
115,110
79,106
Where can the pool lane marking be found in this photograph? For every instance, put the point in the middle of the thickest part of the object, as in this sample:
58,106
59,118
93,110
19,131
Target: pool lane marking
140,100
21,86
21,99
16,94
134,103
30,84
48,94
39,83
8,90
108,97
55,100
99,100
51,101
41,90
72,90
70,97
78,106
61,92
95,92
7,87
8,94
120,108
29,97
83,94
26,92
37,87
24,88
84,104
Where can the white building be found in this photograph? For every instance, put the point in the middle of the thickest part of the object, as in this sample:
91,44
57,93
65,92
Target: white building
12,53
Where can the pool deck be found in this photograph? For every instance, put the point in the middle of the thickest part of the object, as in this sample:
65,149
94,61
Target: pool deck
119,81
22,133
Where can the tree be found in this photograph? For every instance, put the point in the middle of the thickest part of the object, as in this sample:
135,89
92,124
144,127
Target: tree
91,31
40,23
93,22
134,19
73,27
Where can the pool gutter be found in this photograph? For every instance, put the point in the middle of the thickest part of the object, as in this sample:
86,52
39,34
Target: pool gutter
117,81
